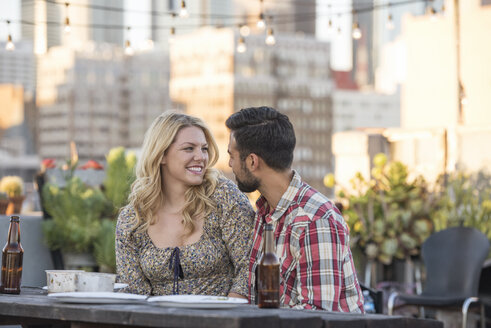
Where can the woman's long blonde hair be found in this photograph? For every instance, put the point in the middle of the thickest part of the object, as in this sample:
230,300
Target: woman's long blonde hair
146,192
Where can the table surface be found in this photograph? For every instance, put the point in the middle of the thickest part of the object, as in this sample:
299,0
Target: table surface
32,307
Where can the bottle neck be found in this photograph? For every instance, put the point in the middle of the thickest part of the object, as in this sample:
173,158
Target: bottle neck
14,233
269,241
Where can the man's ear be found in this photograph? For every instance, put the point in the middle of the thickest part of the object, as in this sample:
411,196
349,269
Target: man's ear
253,162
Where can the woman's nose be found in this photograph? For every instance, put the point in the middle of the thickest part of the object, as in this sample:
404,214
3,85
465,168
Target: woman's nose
199,155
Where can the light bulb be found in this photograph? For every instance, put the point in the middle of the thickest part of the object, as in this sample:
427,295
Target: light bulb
241,46
172,34
183,13
433,16
67,28
261,24
270,39
128,50
390,23
356,31
10,46
244,30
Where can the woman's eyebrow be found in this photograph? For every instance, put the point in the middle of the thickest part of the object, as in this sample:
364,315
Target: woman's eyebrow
192,144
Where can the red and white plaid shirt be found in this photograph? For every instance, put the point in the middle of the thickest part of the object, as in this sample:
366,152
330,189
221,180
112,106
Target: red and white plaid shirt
312,243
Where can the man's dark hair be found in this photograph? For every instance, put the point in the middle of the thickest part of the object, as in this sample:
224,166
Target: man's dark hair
265,132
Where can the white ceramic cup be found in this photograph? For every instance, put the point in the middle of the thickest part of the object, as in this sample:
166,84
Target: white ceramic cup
95,282
60,281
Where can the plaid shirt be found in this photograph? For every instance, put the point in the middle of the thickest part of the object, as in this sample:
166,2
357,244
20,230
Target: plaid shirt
312,243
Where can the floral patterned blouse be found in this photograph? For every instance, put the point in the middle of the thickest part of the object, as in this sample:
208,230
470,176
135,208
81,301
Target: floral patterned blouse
215,265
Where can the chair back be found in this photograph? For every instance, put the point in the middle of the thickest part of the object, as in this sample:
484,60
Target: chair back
453,259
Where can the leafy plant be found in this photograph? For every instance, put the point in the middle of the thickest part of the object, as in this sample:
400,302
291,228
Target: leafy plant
464,200
84,217
119,177
76,211
104,246
388,215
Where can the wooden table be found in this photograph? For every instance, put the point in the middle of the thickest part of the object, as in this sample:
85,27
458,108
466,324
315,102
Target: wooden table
32,308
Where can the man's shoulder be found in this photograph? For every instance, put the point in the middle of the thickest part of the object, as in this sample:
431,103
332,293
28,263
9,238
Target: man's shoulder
311,205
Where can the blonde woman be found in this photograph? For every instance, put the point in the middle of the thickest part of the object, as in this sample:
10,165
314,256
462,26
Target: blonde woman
186,229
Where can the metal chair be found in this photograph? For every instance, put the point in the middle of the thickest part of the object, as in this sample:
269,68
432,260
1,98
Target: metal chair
453,259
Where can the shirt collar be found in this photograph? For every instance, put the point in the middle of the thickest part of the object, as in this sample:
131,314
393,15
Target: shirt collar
285,200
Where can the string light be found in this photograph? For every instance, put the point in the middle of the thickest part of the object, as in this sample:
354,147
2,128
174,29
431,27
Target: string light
67,28
244,30
390,22
432,12
9,46
172,35
356,33
128,50
183,13
241,46
329,23
261,24
270,39
172,32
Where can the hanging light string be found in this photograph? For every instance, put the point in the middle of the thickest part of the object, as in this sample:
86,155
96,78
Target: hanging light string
9,46
280,19
67,19
128,50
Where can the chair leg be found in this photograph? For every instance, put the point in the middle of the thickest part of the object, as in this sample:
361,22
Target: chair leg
465,308
483,316
391,302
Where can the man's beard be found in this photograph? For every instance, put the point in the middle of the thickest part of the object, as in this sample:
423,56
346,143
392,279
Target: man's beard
250,183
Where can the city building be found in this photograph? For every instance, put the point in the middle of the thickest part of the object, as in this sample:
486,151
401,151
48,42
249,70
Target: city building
354,109
97,97
212,80
445,98
18,67
18,114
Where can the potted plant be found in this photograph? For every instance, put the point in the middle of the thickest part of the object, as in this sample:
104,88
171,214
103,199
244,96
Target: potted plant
84,215
76,212
389,215
13,186
4,203
464,199
116,187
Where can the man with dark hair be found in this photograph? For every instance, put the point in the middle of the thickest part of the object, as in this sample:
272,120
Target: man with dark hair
312,238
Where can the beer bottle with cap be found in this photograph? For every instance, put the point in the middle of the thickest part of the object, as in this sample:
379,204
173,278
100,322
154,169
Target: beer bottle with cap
268,279
12,255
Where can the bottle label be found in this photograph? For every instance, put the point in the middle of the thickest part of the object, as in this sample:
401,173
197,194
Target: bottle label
11,271
268,284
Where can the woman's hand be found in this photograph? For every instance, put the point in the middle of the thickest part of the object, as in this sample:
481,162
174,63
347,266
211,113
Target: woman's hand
236,295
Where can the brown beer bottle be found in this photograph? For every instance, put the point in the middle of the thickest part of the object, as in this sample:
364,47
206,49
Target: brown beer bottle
268,273
12,260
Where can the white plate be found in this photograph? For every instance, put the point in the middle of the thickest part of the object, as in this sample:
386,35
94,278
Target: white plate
197,301
117,285
97,297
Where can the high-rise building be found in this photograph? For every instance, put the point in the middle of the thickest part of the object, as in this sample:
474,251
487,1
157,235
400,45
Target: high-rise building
99,98
375,34
212,81
18,67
